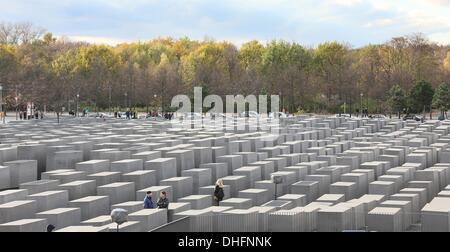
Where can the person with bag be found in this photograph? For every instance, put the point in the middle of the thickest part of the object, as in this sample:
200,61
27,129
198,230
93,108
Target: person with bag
218,192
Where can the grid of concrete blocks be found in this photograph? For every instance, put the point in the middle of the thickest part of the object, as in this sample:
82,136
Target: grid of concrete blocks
333,174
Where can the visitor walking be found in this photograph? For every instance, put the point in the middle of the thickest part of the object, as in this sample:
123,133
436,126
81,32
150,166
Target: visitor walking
218,192
163,201
148,203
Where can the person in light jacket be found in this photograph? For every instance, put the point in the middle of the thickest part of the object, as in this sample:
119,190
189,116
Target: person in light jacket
218,192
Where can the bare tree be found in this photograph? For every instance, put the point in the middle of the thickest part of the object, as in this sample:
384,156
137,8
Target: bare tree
18,33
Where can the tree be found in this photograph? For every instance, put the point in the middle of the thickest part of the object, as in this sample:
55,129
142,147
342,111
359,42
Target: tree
397,99
441,98
420,96
18,33
212,65
333,68
250,60
63,70
98,65
8,63
33,64
447,62
285,68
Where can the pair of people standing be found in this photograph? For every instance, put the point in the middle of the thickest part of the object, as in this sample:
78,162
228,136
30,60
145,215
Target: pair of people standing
163,201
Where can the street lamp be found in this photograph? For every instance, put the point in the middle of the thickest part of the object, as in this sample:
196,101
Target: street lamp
282,104
126,100
78,97
16,98
1,104
109,104
361,104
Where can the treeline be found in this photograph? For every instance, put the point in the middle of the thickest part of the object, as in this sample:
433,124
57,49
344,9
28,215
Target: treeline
37,67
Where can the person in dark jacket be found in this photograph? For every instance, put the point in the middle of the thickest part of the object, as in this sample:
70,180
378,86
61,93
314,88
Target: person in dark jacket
163,201
148,203
218,192
50,228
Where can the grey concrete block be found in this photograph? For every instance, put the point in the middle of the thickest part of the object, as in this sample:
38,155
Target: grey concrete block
5,177
236,183
141,178
258,196
16,210
38,186
165,167
308,188
50,199
349,189
252,173
131,206
91,206
118,192
93,166
382,187
81,229
197,201
66,177
181,186
147,155
184,159
22,171
103,178
79,188
12,195
237,203
201,177
385,219
127,165
25,225
61,217
267,167
218,170
177,207
298,200
234,162
98,221
149,218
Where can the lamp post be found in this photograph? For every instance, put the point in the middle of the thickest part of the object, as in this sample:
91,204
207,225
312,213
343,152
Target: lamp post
78,97
282,104
361,110
1,104
16,98
109,103
126,100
